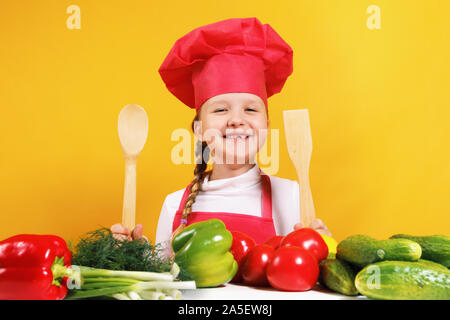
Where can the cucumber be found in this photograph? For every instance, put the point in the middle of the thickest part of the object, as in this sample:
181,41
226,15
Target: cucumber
433,264
435,248
339,276
362,250
404,280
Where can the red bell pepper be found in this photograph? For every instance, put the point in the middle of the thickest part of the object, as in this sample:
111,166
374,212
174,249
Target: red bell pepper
34,267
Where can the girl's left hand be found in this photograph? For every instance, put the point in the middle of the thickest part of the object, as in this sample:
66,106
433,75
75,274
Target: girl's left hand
120,232
316,225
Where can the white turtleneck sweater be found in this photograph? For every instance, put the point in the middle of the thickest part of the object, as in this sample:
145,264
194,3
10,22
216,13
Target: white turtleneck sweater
241,194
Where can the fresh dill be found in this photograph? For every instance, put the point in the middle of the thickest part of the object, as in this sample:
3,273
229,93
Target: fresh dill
100,249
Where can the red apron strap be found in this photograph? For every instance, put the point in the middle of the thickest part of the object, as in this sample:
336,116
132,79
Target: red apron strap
266,205
184,198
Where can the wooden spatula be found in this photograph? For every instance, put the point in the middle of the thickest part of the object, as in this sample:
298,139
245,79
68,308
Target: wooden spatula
299,146
133,130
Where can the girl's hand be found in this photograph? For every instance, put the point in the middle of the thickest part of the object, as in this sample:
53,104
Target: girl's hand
316,225
121,232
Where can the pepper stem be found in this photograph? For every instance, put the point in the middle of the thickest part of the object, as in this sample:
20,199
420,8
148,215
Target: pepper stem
60,271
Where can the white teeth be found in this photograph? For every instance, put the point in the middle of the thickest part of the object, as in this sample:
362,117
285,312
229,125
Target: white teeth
236,137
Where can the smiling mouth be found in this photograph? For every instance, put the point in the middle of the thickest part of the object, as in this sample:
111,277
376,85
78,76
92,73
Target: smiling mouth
237,137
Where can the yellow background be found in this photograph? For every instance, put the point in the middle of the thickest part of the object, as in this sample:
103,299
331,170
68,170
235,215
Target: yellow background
378,101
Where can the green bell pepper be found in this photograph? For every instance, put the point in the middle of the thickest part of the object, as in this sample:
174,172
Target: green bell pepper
202,249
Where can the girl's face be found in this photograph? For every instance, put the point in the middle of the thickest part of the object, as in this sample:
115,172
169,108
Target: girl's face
234,125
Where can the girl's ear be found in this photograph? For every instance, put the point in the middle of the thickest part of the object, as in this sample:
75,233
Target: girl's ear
198,129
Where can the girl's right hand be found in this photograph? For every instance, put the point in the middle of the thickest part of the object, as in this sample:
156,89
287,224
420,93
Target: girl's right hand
316,225
121,232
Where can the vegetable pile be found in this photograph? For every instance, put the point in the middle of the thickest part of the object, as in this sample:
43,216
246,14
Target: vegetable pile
206,254
41,267
112,268
402,268
289,263
213,255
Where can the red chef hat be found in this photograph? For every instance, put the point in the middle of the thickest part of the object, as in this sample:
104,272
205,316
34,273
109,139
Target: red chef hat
234,55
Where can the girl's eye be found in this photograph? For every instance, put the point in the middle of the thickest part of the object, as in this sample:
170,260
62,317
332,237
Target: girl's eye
250,109
219,110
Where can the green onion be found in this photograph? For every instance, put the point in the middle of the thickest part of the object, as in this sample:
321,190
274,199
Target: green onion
127,285
105,291
134,295
174,293
121,280
152,295
120,296
88,272
137,287
164,285
98,285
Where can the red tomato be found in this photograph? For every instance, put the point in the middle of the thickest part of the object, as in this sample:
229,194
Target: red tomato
309,240
255,264
275,241
292,269
242,243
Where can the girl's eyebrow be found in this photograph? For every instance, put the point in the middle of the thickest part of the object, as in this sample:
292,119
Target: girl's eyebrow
246,102
219,102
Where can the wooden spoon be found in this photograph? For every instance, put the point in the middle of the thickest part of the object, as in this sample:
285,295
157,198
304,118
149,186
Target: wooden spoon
133,130
299,146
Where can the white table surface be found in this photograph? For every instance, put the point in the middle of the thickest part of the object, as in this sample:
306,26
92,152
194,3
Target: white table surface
240,292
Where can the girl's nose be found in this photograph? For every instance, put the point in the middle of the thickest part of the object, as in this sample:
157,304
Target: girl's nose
235,120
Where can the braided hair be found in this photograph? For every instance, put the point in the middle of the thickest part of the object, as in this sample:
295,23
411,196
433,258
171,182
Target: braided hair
201,151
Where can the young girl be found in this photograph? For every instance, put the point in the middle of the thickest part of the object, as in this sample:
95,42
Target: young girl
226,71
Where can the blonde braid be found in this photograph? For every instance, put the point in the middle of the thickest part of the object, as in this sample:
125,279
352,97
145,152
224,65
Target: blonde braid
195,188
